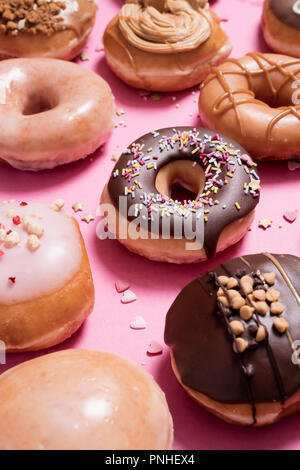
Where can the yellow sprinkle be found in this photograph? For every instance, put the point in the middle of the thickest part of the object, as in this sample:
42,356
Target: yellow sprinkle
195,150
150,166
205,219
217,202
237,206
149,149
207,211
230,175
207,193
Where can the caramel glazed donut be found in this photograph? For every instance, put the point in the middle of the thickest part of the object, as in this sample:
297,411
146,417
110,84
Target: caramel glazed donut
46,285
256,101
219,173
233,337
45,28
82,400
281,26
165,45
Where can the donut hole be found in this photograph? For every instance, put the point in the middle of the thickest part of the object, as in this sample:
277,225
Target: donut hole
39,102
181,180
285,96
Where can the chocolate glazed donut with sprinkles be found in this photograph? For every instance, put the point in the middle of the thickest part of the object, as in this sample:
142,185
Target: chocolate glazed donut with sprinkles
218,191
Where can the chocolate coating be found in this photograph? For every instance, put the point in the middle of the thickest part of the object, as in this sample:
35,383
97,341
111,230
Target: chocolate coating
202,345
283,9
221,212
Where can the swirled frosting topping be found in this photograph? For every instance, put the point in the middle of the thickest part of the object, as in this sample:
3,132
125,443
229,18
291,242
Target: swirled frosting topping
164,26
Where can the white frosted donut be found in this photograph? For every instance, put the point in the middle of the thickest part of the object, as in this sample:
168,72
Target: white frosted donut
82,400
41,304
51,112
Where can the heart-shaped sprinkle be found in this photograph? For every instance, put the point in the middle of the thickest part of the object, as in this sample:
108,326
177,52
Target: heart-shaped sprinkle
121,286
290,216
292,165
138,324
128,297
154,348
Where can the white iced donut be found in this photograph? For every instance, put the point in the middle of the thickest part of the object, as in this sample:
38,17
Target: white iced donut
46,286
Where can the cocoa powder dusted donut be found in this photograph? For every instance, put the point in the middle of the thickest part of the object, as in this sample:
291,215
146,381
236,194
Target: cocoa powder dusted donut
216,212
281,26
82,400
46,285
233,335
43,28
256,101
165,45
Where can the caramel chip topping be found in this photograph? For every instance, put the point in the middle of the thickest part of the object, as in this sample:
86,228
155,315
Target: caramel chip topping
31,16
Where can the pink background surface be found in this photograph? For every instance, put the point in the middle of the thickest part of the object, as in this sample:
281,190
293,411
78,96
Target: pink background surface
156,285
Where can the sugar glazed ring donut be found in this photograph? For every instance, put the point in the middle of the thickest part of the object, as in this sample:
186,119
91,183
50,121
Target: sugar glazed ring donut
281,26
82,400
221,177
165,45
256,101
41,304
52,112
45,28
234,339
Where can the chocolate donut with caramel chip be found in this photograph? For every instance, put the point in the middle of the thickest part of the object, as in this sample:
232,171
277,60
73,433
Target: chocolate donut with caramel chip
233,336
189,193
281,26
41,28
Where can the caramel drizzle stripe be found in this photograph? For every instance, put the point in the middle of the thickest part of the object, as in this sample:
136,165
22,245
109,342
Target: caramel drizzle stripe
242,364
234,103
292,289
269,349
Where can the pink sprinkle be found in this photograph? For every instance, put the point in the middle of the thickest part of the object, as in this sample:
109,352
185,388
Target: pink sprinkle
290,216
154,348
121,285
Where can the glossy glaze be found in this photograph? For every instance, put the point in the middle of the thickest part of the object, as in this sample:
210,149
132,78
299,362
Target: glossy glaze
53,112
82,400
38,272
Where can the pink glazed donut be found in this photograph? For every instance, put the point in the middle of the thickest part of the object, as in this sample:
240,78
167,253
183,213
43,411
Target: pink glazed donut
52,112
82,400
